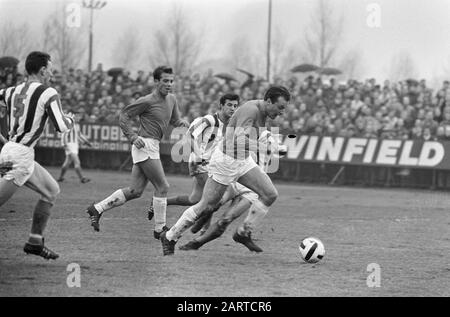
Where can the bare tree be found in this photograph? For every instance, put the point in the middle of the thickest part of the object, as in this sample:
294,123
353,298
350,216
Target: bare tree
175,44
65,44
403,67
352,64
127,49
323,35
15,41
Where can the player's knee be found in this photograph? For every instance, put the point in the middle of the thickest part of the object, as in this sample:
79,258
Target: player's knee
270,197
194,198
51,193
134,193
163,189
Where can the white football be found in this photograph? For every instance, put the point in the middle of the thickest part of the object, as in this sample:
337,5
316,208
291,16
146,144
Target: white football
311,249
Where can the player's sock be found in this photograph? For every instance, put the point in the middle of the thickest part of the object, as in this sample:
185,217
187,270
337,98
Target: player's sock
116,199
182,200
35,239
41,214
186,220
257,212
159,208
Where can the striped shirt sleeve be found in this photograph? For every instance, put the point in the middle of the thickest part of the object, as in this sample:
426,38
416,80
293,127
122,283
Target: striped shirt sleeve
61,122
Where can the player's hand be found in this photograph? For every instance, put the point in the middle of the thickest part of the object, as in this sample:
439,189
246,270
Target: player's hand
5,167
71,116
139,143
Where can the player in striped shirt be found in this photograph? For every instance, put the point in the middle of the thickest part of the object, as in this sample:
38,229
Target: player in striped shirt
204,134
70,142
232,162
29,106
155,111
242,199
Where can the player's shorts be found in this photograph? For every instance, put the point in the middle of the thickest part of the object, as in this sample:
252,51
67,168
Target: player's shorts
22,158
241,190
71,148
225,169
150,150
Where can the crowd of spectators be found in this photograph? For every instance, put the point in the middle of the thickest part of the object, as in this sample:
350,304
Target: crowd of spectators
319,106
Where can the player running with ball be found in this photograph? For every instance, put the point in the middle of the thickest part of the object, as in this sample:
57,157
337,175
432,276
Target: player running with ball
155,111
242,199
231,162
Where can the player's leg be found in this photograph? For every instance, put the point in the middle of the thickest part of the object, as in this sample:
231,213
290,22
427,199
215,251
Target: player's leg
77,166
44,184
199,181
237,208
65,167
212,194
260,183
119,197
7,189
153,170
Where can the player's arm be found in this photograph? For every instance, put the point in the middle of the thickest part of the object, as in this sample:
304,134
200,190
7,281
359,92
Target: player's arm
175,119
126,118
60,120
83,139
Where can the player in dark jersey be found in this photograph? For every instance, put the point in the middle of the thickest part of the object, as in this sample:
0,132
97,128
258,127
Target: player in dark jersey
204,134
29,106
155,111
232,162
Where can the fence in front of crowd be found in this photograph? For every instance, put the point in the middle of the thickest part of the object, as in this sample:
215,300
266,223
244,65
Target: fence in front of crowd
310,159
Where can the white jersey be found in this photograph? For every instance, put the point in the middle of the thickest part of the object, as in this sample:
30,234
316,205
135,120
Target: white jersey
73,136
206,133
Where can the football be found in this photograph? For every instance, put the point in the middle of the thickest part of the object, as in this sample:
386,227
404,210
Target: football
312,250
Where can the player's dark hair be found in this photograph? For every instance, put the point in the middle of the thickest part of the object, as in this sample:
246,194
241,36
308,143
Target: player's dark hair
160,70
274,92
226,97
35,61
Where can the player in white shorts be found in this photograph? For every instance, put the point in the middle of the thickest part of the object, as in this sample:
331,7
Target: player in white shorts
203,135
232,162
29,106
70,141
242,199
156,112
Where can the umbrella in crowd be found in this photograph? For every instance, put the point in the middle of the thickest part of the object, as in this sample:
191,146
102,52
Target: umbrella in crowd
329,71
225,76
8,61
245,72
114,72
304,68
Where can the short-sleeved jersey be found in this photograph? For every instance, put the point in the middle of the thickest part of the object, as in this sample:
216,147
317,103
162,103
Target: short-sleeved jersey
29,106
155,113
206,132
